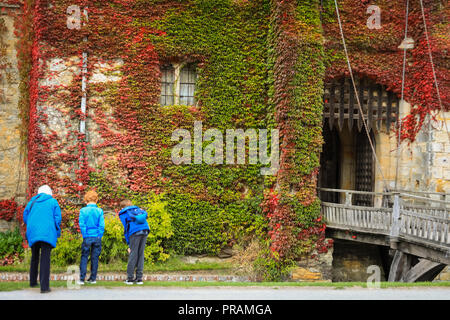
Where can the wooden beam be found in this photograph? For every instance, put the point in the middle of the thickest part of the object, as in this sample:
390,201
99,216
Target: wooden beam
389,111
401,263
351,104
362,237
361,102
380,106
369,108
331,108
341,103
424,251
425,270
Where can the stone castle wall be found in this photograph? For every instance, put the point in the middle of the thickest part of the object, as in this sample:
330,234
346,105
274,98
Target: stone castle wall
60,73
424,165
13,171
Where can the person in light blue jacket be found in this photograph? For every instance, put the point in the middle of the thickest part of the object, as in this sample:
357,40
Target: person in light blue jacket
42,216
92,227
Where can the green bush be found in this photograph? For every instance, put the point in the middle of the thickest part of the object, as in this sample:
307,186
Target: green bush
198,226
159,220
11,245
268,267
68,249
201,227
114,247
160,224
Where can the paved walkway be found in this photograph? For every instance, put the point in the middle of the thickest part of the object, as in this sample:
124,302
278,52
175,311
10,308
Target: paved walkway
228,293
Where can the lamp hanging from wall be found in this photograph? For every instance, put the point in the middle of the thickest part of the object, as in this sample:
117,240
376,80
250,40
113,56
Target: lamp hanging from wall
407,43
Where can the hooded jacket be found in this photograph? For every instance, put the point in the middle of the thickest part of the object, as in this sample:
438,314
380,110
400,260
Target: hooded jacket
92,222
134,219
43,220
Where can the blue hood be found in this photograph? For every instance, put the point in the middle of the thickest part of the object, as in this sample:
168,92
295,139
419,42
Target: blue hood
134,219
127,208
41,197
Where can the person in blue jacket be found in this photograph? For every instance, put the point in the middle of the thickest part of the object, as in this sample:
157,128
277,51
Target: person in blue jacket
136,230
42,216
92,227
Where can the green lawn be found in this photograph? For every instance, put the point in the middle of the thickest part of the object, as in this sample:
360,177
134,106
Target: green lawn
178,265
173,264
19,285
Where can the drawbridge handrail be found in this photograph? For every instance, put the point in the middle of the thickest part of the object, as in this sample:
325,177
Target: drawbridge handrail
428,224
412,196
355,192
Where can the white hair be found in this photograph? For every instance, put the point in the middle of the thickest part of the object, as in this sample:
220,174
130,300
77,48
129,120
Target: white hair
45,189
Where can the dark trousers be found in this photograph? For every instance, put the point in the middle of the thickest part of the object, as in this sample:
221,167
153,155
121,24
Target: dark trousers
91,247
136,257
40,251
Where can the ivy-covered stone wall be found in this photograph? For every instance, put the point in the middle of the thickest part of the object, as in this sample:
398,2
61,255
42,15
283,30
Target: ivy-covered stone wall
237,47
260,64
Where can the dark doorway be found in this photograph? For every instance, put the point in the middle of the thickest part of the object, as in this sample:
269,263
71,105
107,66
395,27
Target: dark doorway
364,169
329,175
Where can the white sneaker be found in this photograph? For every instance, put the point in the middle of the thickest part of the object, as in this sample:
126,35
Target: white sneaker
80,282
139,282
129,282
91,281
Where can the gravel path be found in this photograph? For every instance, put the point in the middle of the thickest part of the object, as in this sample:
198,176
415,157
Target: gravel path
227,293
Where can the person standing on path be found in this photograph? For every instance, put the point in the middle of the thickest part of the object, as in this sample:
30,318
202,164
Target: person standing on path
92,227
42,217
136,230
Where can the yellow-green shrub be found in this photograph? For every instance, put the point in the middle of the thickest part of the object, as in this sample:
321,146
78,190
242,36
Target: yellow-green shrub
68,249
114,247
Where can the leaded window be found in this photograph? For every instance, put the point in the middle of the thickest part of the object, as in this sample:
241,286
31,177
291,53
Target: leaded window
187,85
178,84
167,86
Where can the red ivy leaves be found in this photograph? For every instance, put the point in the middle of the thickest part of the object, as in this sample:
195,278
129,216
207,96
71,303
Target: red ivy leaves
375,54
8,209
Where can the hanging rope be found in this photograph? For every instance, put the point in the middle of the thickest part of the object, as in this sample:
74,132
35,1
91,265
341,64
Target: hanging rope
432,68
357,98
404,50
402,95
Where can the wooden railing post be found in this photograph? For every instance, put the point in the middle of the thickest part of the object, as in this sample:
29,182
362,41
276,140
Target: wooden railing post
348,198
395,226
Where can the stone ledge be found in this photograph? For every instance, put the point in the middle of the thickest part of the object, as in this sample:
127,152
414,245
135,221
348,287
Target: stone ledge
7,5
303,274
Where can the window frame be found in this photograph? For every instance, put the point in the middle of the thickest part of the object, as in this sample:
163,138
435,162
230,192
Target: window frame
166,87
177,67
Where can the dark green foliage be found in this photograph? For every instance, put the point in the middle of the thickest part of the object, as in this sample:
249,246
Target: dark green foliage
10,243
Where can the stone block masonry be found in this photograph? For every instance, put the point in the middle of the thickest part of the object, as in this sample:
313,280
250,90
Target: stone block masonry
424,164
13,173
351,261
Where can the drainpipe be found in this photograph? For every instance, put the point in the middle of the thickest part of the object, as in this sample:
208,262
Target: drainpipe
83,89
83,85
84,96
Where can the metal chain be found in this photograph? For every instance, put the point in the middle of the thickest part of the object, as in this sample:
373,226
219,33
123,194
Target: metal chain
432,68
402,96
357,98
